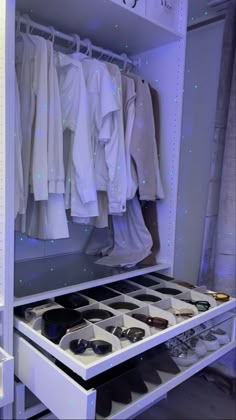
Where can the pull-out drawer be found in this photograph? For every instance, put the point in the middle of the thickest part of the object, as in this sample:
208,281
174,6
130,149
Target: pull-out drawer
6,378
68,398
90,365
60,393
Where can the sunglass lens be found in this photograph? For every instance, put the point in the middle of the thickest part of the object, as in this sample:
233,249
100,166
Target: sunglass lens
78,346
203,306
135,334
117,331
101,347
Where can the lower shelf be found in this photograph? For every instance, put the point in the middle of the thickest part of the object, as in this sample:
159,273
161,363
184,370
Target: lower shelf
169,382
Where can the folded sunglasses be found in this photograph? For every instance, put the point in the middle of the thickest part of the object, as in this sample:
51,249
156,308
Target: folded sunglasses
133,334
99,347
155,322
201,305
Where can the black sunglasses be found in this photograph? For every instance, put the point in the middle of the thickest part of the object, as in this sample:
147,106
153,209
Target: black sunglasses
98,346
133,334
201,305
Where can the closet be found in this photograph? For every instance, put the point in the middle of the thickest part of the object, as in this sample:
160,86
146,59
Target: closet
149,37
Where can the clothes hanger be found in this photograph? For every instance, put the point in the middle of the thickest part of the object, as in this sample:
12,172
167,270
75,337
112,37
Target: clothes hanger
125,57
89,47
100,56
27,18
52,35
77,42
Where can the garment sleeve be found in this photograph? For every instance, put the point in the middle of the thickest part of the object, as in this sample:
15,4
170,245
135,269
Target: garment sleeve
112,135
19,185
39,162
82,155
56,173
143,146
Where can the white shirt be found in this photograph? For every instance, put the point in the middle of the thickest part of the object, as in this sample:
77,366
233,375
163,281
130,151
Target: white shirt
117,185
25,52
47,219
75,115
39,151
105,107
56,173
129,96
19,184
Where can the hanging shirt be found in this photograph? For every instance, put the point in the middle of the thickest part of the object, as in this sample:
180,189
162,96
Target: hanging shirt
75,115
19,184
47,219
132,240
118,140
39,151
103,106
101,221
129,96
143,146
25,53
56,174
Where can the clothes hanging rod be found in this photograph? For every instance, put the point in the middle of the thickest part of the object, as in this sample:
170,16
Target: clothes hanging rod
26,20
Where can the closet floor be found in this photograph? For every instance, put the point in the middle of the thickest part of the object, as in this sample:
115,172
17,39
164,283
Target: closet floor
194,399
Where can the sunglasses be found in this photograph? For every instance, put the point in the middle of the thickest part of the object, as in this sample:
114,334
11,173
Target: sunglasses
221,297
99,347
155,322
133,334
201,305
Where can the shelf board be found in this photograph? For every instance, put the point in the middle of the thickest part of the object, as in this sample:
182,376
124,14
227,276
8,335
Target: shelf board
48,277
169,382
107,24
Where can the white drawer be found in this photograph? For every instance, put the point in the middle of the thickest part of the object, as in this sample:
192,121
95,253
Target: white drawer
87,366
67,399
6,378
54,388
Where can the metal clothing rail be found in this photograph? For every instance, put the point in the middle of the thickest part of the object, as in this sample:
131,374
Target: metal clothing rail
74,38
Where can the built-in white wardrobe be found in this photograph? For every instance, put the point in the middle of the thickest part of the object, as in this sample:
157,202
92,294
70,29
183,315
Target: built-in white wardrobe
152,35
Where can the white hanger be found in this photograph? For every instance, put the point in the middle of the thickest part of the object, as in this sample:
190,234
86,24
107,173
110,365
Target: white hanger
53,34
100,56
125,57
89,47
77,42
27,18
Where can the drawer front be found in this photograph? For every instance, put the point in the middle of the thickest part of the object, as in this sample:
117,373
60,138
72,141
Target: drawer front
61,394
6,378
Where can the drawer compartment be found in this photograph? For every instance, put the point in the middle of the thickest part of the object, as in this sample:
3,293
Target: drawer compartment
60,394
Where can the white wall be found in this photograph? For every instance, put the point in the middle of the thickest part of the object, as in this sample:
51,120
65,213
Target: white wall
200,94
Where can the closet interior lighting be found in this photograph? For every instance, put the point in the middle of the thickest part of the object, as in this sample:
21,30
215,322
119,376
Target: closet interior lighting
30,24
